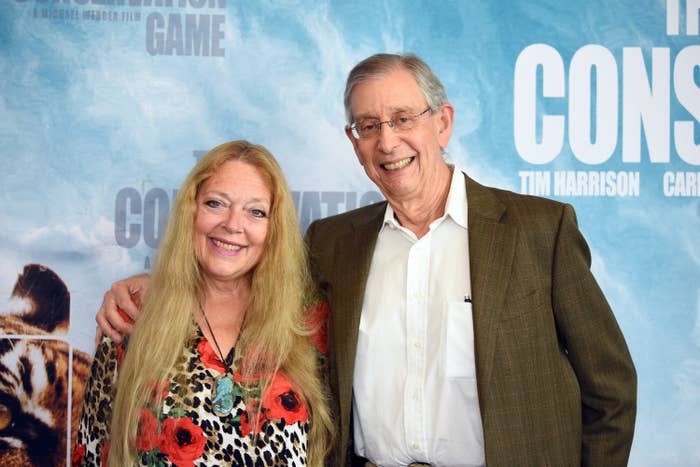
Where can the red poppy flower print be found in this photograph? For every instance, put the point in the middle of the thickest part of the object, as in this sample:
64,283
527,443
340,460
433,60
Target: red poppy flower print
317,323
209,357
159,391
78,458
182,441
281,402
247,426
147,437
105,453
120,354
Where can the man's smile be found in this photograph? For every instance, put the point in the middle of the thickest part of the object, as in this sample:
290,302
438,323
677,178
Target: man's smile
398,164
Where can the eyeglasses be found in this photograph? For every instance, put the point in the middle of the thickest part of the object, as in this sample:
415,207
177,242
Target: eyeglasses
371,127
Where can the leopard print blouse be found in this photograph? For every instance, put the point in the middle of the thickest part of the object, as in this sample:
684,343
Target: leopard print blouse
184,430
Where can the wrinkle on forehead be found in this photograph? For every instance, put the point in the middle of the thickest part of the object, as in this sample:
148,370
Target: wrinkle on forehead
382,96
390,112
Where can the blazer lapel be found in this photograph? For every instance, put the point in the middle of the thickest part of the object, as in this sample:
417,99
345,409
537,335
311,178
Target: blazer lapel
491,252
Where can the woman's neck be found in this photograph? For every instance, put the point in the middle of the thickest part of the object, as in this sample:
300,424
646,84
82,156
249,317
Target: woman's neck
224,309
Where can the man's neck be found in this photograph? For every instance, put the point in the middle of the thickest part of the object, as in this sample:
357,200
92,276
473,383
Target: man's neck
417,214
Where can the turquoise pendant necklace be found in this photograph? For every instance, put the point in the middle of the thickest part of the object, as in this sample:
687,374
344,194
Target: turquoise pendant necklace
222,394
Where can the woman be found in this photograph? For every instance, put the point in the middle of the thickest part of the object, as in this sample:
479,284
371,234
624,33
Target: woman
220,368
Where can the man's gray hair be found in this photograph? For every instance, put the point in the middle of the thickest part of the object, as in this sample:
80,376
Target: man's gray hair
380,65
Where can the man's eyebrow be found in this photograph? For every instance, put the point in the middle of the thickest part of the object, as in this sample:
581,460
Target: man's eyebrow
363,116
397,110
392,111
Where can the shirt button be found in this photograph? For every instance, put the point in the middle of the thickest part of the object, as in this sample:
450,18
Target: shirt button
415,446
417,344
414,395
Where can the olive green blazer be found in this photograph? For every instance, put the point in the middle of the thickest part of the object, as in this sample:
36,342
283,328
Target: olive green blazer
557,386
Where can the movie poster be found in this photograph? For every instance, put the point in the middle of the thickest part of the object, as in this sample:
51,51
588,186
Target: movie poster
106,104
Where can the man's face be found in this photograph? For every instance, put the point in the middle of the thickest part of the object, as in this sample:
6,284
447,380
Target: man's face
405,165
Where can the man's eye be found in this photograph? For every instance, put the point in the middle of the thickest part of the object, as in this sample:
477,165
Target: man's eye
402,119
367,126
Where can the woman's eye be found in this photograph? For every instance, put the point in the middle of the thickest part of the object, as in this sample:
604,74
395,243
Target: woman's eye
212,203
258,213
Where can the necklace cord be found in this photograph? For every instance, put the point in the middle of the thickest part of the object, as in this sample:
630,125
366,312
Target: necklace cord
218,349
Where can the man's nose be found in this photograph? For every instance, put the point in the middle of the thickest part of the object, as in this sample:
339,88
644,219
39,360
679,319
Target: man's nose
387,139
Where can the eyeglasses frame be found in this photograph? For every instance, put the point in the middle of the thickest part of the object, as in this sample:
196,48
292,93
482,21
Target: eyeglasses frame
390,123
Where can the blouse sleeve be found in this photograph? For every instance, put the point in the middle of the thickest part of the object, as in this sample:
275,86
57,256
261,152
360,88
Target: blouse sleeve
93,432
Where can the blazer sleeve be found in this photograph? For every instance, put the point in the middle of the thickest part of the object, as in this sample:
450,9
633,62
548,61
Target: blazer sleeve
309,237
596,349
318,245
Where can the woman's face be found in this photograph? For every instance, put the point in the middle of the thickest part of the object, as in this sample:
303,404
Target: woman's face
231,222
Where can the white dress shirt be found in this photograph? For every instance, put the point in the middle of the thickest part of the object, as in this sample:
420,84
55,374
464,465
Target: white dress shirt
414,385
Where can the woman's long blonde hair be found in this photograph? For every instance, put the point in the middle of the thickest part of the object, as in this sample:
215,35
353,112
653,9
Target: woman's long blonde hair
273,336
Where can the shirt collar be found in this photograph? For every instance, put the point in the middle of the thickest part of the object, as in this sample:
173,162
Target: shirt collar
455,207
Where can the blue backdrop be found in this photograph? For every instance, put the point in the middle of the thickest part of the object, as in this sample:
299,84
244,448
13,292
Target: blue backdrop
105,104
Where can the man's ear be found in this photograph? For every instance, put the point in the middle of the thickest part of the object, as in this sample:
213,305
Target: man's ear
445,119
348,133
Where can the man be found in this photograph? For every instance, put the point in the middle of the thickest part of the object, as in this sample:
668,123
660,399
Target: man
466,327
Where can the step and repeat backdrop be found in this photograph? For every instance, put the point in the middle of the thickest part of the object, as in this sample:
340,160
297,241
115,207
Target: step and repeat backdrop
106,104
